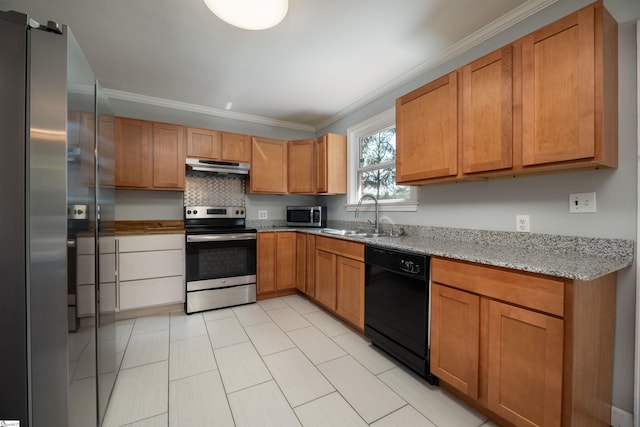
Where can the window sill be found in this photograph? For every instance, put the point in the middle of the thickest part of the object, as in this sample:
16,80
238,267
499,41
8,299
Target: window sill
385,207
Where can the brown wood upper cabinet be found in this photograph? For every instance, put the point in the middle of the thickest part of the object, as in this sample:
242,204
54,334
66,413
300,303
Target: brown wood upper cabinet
133,164
302,160
216,145
306,166
427,131
487,125
268,165
569,91
331,164
545,103
168,156
149,155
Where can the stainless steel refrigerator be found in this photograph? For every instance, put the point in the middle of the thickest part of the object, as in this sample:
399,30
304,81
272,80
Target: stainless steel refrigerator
56,151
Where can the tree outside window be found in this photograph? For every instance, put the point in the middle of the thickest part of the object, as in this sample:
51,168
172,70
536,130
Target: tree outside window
377,166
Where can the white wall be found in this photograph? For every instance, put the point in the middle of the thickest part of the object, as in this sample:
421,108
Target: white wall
492,205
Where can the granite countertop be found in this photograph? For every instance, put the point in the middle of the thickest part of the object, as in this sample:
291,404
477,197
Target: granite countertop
571,257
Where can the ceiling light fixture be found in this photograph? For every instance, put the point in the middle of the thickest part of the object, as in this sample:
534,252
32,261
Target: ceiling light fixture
250,14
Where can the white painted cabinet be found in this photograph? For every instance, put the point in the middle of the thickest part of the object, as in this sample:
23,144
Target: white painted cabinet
150,272
85,276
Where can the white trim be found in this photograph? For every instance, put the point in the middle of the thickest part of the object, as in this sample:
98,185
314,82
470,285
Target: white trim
621,418
508,20
372,124
210,111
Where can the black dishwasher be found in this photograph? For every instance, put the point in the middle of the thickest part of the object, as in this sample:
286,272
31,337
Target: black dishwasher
396,313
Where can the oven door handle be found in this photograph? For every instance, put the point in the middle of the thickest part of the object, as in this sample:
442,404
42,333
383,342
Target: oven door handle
220,237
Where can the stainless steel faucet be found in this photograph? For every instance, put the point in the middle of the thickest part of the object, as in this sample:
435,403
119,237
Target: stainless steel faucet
364,196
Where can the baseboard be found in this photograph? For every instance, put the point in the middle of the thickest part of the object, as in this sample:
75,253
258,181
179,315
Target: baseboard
621,418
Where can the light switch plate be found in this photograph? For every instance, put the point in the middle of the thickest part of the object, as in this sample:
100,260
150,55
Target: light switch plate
582,202
262,215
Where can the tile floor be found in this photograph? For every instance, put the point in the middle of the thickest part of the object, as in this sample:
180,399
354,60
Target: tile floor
278,362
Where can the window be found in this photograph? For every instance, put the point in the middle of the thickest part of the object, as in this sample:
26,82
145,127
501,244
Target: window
372,164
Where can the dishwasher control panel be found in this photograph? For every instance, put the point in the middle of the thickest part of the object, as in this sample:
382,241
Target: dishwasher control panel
408,263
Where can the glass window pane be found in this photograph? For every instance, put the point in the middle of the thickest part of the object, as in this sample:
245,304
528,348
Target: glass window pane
382,184
378,147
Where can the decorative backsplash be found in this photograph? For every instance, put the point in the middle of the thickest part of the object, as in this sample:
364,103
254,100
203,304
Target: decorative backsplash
205,189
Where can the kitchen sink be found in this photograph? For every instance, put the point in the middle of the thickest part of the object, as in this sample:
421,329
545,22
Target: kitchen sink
339,232
354,233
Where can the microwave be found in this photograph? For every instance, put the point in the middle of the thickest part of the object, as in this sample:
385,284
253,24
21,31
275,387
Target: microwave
307,216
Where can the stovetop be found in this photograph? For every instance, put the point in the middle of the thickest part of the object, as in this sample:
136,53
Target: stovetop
215,219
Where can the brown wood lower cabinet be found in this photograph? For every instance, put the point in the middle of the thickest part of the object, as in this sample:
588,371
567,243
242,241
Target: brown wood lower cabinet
350,290
305,265
339,278
529,349
276,263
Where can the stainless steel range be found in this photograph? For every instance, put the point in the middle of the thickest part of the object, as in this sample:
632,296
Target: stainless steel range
220,258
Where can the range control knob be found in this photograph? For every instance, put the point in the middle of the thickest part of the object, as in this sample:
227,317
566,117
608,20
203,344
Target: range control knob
189,212
195,212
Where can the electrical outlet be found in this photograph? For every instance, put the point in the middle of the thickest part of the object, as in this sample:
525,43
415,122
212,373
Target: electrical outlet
522,223
582,202
262,215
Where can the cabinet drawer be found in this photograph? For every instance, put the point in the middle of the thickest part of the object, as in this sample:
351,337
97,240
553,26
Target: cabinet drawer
86,269
86,245
157,242
146,293
538,292
341,247
146,265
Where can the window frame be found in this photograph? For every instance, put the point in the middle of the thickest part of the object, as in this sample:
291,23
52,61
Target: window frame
366,127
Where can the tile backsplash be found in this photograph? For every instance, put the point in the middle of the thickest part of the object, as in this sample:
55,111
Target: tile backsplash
206,189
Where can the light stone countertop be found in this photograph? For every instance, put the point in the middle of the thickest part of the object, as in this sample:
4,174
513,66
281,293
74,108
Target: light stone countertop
571,257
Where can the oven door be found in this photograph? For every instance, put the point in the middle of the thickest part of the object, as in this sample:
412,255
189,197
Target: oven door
217,260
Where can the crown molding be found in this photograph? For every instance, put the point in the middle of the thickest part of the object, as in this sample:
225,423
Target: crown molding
200,109
518,14
508,20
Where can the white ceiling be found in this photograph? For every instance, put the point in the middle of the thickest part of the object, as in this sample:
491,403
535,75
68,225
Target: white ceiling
323,61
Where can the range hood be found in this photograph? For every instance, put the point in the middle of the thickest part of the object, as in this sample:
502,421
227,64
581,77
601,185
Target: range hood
217,167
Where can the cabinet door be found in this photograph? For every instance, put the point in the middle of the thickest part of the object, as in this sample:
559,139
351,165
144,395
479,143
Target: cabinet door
235,147
266,270
331,164
268,166
168,156
525,365
133,153
558,91
350,290
310,285
203,143
487,125
326,279
455,338
427,131
302,166
301,261
285,260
